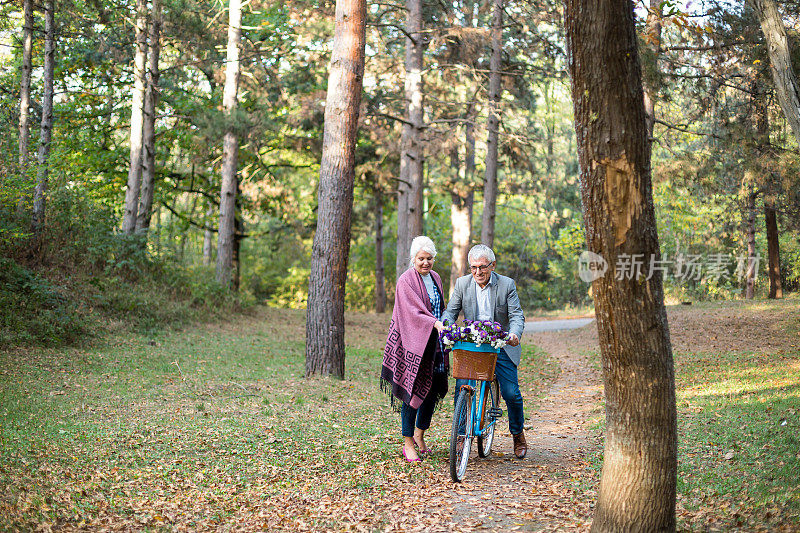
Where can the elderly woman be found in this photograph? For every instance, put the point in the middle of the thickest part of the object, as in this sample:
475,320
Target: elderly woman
414,365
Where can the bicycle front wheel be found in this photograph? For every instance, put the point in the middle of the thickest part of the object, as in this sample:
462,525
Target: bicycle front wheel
461,435
491,392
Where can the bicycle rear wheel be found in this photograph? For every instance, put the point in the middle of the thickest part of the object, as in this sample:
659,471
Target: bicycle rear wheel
461,435
490,398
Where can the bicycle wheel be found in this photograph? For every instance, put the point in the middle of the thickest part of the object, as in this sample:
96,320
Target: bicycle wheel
491,393
461,435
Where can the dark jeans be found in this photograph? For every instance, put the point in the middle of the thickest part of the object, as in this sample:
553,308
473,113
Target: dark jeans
506,372
420,418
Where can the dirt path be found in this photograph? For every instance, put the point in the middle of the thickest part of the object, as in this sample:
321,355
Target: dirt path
540,493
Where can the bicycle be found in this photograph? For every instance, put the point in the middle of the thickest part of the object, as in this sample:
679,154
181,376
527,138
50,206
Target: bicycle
480,395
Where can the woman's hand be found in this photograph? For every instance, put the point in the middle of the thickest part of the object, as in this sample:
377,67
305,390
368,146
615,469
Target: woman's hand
439,326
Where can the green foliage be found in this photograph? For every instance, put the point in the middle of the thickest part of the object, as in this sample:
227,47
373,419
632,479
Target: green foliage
87,275
34,311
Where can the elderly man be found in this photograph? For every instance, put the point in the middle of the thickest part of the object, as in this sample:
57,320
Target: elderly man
486,295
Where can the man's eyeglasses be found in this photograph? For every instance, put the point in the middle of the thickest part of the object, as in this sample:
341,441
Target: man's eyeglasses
480,268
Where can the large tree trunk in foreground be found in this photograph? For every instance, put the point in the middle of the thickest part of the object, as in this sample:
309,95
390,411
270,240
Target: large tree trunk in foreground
145,209
230,149
331,248
773,251
780,60
137,121
638,481
495,91
380,271
25,88
46,130
409,222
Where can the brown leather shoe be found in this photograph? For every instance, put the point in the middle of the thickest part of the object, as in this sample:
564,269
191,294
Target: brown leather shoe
520,446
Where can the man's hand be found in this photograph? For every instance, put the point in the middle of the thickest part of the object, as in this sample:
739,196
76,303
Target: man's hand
513,340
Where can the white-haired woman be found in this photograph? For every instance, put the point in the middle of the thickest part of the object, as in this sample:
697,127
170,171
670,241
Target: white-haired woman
414,365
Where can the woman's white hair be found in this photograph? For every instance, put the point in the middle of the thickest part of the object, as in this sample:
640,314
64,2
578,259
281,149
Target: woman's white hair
480,250
421,244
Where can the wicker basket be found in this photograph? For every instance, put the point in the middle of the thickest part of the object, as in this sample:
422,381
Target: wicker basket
473,365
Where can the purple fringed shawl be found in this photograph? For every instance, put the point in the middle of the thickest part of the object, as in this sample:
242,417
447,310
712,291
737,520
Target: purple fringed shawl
406,367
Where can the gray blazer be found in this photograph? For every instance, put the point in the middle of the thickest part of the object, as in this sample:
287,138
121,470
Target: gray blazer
506,309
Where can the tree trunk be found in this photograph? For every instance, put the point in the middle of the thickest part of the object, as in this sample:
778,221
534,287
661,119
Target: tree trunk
403,242
145,209
185,233
230,149
773,250
380,272
158,231
780,60
550,129
460,221
495,92
208,236
638,481
236,258
331,248
46,130
653,50
25,89
751,270
137,121
409,223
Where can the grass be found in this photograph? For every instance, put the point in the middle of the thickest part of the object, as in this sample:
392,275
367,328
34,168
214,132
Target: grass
207,428
739,450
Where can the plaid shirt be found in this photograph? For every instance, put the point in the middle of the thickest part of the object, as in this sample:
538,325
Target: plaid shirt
438,309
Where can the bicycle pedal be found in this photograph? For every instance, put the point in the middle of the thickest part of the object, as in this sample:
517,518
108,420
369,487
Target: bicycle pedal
495,412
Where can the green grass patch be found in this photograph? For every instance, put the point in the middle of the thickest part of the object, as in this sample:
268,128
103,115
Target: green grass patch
212,427
739,450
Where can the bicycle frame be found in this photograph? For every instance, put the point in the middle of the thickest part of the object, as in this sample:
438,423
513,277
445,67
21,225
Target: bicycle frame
477,406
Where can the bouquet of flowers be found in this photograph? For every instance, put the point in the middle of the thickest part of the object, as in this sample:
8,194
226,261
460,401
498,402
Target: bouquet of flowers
476,331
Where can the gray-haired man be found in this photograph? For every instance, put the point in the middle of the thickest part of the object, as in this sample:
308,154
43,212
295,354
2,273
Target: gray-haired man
486,295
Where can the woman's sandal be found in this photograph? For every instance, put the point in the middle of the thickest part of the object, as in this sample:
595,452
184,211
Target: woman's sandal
426,451
403,453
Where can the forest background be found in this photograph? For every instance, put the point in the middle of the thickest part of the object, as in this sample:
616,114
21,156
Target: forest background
725,163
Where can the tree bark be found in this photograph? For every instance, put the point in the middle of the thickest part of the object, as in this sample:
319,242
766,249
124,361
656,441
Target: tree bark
653,44
780,60
495,92
410,189
750,271
145,208
638,480
230,148
25,88
773,251
236,258
137,121
46,130
330,252
380,271
461,197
